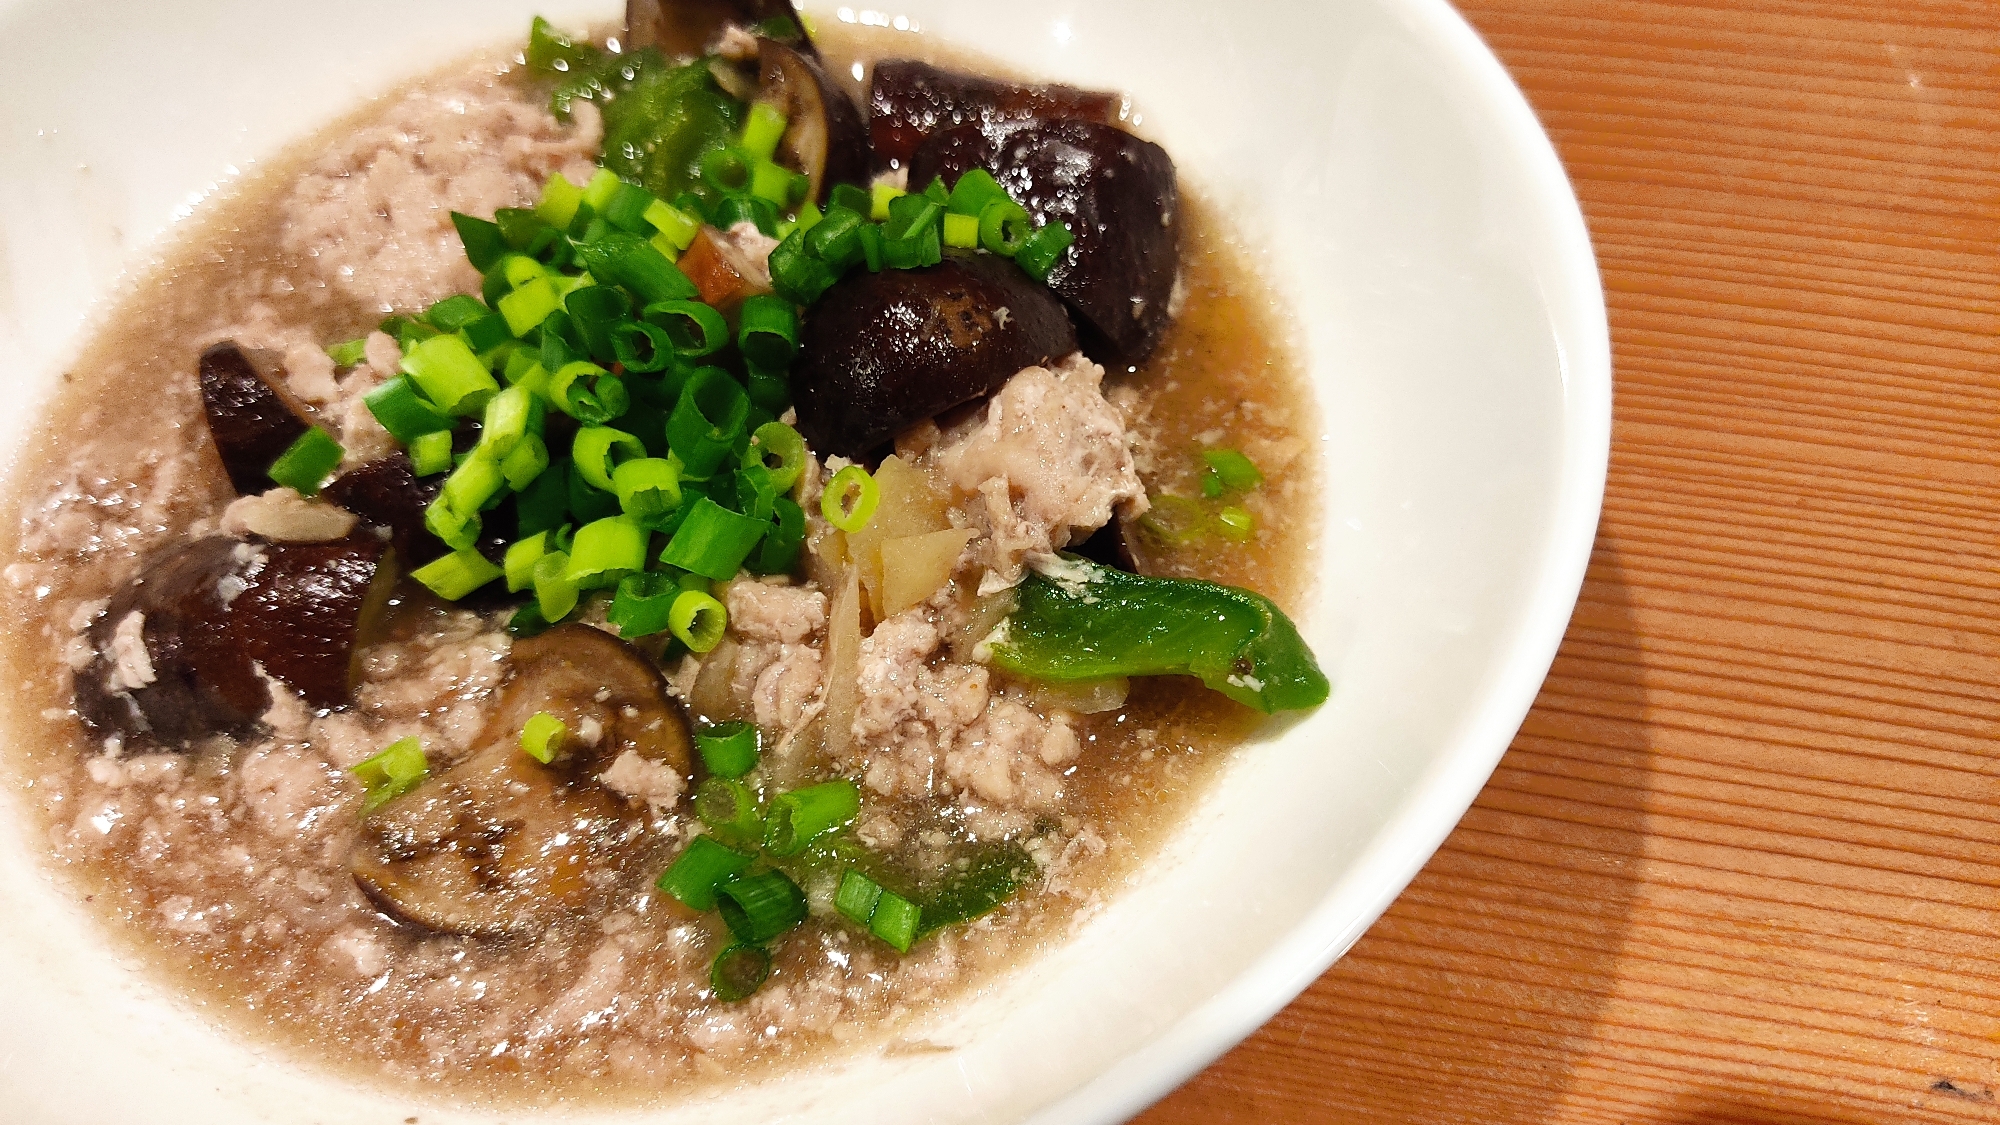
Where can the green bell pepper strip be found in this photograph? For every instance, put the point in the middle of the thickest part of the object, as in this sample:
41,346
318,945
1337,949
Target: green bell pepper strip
1076,620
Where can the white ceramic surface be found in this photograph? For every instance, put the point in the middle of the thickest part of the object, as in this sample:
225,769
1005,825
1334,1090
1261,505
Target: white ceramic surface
1399,190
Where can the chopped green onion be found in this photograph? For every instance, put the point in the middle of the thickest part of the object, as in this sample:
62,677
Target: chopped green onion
348,353
738,972
810,215
796,275
695,329
961,231
603,184
453,576
756,210
837,239
450,375
525,464
759,907
529,305
776,440
527,621
707,420
879,198
606,550
559,201
728,749
801,816
522,555
873,255
544,504
1004,227
768,332
702,867
936,192
895,921
509,416
487,333
857,896
631,261
1236,523
851,197
647,487
674,225
1041,250
430,453
726,170
555,592
595,309
455,312
769,390
484,244
698,620
850,498
713,541
403,411
458,530
476,481
397,769
1211,484
780,548
543,737
585,502
307,462
1236,471
587,392
730,809
596,451
627,207
643,604
762,130
641,348
974,192
780,186
1175,519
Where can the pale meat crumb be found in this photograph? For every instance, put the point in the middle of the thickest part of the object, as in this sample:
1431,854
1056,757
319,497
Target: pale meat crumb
282,515
633,775
131,664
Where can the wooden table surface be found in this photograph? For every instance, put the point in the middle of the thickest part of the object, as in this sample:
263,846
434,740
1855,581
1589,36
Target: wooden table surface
1742,864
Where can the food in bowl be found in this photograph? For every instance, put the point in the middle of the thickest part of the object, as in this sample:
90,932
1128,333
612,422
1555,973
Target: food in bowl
770,569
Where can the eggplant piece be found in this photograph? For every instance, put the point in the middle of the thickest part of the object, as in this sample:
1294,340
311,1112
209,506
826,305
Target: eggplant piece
252,419
910,101
1118,195
824,137
880,351
503,844
686,27
177,650
388,493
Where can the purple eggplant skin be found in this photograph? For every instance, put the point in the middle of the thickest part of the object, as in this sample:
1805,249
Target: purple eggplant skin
880,351
908,101
252,419
824,137
388,493
1118,195
686,27
216,610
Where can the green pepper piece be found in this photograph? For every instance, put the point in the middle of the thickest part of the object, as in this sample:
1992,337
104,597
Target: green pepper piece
991,879
657,128
1076,620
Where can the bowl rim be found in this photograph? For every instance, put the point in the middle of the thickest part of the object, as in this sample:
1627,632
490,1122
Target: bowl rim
1433,808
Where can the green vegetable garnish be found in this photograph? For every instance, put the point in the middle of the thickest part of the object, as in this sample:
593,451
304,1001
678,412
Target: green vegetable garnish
1076,620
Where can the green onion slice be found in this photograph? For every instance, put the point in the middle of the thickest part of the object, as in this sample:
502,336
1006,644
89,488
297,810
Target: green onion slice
348,353
759,907
597,450
801,816
713,541
430,453
643,604
782,452
730,808
647,487
1041,250
695,329
1236,524
728,749
1236,471
895,921
698,620
453,576
607,550
768,332
555,591
857,896
702,866
738,971
1003,227
307,462
850,499
543,737
397,769
404,412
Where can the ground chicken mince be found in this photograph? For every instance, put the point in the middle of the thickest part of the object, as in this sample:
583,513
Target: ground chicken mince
229,864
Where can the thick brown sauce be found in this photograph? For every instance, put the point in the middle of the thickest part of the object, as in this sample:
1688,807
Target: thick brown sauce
1224,376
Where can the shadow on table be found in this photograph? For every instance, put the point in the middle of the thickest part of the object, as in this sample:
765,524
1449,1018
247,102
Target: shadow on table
1476,996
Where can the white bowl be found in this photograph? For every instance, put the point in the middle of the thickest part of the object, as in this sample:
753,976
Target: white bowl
1449,306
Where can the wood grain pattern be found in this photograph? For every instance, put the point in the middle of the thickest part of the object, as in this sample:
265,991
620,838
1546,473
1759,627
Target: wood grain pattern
1742,863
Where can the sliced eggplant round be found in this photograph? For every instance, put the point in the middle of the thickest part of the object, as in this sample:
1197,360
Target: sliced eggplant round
824,137
1119,197
252,419
881,351
503,844
177,650
388,493
686,27
909,101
